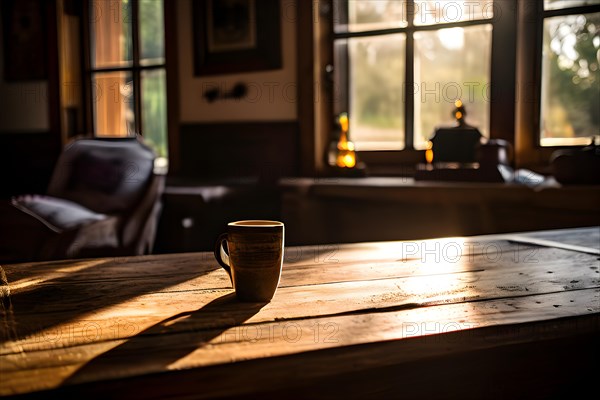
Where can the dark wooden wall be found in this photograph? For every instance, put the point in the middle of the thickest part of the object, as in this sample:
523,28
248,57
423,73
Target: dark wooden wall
227,172
267,150
28,158
27,162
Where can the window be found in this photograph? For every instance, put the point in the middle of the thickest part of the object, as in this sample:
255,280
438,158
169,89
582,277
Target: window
400,66
570,79
126,72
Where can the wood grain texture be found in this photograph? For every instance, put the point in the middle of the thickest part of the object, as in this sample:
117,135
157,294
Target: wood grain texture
106,324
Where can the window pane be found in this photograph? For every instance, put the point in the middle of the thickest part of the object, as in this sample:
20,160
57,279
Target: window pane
570,80
154,110
557,4
152,33
376,71
110,30
449,64
431,12
364,15
113,104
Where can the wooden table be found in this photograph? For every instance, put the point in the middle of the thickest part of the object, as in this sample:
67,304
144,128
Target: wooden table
502,316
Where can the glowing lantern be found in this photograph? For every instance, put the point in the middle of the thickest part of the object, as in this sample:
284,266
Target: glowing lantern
346,157
459,112
429,152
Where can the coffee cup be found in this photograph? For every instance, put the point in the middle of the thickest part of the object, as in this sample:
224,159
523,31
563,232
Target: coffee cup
253,258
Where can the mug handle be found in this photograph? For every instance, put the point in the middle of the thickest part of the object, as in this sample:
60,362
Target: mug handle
220,254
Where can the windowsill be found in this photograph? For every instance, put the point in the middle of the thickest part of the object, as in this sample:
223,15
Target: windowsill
384,187
340,210
403,162
409,182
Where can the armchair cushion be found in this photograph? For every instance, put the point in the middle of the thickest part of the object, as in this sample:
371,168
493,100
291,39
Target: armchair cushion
78,231
96,173
107,176
57,214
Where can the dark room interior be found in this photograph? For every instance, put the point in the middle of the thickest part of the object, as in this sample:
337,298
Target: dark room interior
310,199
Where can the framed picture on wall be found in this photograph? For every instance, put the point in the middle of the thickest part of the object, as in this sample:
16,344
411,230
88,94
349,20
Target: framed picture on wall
232,36
24,36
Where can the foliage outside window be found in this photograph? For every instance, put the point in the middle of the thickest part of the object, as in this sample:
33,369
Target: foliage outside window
570,84
400,66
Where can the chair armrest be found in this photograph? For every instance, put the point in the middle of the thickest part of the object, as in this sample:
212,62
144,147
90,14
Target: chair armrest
139,229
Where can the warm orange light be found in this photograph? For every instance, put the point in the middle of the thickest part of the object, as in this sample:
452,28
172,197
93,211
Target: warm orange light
458,115
347,160
346,157
344,122
429,152
344,143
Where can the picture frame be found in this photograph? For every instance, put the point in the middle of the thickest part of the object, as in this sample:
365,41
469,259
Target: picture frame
233,36
24,40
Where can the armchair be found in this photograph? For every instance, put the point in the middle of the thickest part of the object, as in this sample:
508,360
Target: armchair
103,200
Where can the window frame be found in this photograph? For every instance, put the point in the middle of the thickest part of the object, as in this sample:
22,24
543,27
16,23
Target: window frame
502,81
540,15
135,69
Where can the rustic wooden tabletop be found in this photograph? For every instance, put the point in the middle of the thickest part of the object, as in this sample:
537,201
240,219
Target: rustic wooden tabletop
367,319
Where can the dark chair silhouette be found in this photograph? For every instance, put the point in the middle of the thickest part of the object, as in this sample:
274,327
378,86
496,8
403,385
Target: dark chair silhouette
103,200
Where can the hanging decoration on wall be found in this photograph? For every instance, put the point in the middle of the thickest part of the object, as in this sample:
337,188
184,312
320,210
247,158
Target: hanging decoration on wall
24,40
239,91
232,36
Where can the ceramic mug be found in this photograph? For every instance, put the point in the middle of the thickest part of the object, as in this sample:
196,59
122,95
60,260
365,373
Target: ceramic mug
254,257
